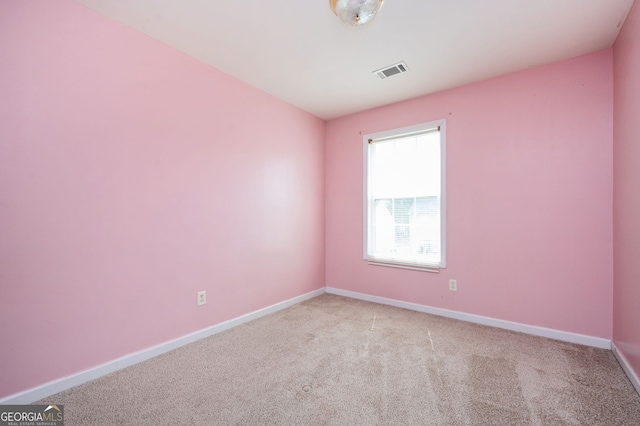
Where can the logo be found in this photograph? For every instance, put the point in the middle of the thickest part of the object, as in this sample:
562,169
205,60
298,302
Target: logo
31,415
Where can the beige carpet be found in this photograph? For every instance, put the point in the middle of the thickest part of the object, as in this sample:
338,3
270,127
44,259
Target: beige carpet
338,361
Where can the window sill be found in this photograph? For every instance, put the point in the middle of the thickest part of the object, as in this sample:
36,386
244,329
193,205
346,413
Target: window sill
435,269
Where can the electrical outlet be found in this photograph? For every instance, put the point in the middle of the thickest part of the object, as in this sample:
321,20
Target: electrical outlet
202,298
453,285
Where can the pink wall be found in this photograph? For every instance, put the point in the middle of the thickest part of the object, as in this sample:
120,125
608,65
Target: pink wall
626,194
529,178
131,177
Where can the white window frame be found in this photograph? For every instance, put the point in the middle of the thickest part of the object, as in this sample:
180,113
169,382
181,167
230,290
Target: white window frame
400,132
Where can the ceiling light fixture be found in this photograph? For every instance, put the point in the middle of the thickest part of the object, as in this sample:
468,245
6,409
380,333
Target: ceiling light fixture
355,12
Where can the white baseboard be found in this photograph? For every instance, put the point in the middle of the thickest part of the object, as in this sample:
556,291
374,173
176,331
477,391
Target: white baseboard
624,363
477,319
31,395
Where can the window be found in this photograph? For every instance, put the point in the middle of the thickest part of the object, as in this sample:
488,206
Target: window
405,197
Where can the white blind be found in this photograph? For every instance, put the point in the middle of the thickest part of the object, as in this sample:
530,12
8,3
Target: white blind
404,199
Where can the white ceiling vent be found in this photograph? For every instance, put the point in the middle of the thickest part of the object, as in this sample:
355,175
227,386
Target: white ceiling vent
389,71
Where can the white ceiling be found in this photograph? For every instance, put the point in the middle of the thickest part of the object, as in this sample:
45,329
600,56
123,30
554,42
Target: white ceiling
298,50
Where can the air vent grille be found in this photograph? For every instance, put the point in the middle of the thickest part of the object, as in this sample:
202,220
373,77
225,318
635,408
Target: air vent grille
392,70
